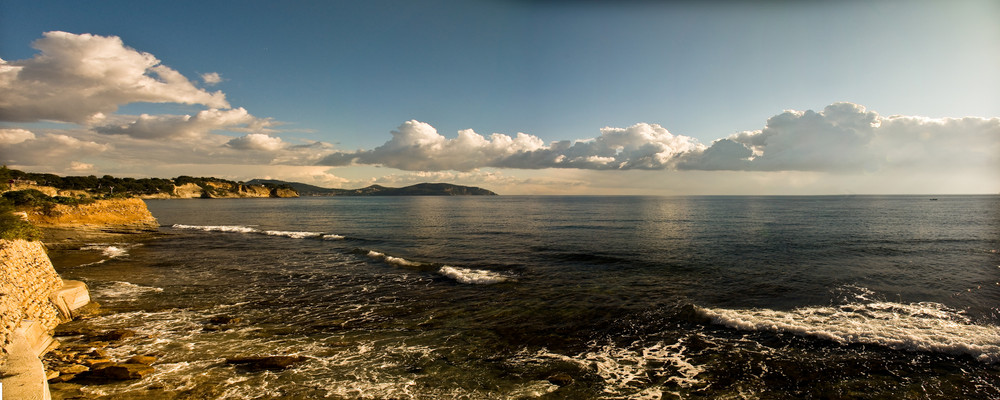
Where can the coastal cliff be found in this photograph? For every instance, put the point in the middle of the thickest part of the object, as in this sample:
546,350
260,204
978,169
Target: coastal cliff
221,190
113,215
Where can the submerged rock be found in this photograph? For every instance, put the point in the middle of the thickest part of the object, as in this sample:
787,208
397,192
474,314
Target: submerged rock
266,362
124,371
560,379
117,334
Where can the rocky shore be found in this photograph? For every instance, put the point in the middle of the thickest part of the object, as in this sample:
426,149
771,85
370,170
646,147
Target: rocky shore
74,356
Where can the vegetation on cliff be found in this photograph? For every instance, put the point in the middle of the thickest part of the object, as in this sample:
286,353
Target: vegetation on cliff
13,226
112,187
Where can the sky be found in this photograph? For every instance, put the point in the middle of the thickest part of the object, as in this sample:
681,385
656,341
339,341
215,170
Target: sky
636,97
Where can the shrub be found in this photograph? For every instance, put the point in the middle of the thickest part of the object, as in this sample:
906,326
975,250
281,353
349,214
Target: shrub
27,198
12,227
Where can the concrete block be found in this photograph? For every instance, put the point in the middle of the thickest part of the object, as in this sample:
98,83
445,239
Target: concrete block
72,296
35,336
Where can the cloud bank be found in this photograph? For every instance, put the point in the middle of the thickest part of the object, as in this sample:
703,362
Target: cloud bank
417,146
843,137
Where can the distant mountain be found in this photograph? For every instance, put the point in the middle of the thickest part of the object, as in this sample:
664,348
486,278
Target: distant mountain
420,189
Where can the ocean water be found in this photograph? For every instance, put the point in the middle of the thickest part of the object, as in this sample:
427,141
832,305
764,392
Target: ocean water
560,297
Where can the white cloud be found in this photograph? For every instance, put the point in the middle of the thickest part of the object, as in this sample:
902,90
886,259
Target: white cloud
416,146
187,126
256,141
211,78
15,136
80,166
77,77
46,149
846,137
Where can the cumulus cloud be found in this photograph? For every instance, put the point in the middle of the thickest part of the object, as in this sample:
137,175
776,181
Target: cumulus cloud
846,137
23,147
76,78
15,136
843,137
256,141
187,126
417,146
211,78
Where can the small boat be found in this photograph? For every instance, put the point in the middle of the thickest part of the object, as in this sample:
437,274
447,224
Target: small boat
933,199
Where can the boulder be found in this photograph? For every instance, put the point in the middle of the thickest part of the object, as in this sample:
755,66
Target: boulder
117,334
146,360
560,379
73,369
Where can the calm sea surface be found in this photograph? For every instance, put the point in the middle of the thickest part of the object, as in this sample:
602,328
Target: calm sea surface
560,297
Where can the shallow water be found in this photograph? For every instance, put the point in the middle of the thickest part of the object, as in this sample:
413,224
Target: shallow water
561,297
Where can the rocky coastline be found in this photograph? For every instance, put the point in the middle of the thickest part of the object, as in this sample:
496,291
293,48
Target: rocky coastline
78,356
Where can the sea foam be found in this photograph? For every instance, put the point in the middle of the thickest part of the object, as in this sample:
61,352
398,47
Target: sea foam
217,228
293,234
473,276
926,326
247,229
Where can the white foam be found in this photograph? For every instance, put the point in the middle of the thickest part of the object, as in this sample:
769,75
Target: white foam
333,237
401,261
217,228
107,251
473,276
925,326
293,234
627,372
119,290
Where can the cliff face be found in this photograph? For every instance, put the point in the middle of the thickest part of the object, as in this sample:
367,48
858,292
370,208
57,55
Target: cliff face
115,215
27,280
219,190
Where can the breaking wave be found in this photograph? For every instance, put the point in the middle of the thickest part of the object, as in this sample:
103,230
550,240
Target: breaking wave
461,275
248,229
293,234
473,276
925,326
217,228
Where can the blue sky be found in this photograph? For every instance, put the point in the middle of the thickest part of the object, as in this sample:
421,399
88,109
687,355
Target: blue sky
340,76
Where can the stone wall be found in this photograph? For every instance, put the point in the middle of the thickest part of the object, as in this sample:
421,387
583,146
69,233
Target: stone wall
27,280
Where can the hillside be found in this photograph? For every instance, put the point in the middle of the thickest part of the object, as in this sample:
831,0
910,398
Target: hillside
420,189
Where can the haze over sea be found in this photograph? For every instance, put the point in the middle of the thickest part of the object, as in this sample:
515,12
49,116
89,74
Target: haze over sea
561,297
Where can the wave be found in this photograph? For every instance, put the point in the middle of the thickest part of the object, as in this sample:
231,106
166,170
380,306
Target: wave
247,229
930,327
108,251
293,234
461,275
473,276
402,262
218,228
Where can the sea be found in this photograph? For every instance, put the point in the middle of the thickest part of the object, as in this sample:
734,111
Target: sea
558,297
